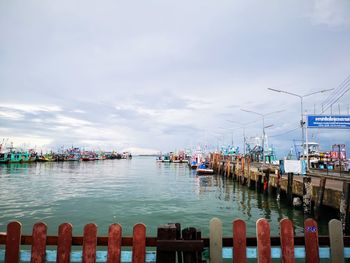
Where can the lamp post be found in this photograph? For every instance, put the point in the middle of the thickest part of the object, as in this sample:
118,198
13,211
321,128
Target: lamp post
263,125
232,129
243,126
218,138
301,97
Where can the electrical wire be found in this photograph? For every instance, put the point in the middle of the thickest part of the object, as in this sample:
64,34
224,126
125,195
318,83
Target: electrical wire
276,135
336,90
339,92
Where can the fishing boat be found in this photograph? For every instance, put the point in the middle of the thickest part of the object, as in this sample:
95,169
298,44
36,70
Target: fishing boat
113,155
126,155
3,158
193,164
203,169
88,156
73,154
17,157
166,158
33,155
179,157
48,157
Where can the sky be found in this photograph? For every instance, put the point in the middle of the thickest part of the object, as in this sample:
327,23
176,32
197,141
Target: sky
167,75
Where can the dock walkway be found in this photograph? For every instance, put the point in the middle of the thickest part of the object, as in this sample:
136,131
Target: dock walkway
315,189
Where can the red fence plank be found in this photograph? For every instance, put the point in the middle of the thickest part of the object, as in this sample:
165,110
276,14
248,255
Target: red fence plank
64,243
139,244
39,243
239,241
263,239
114,243
89,243
13,242
311,241
287,240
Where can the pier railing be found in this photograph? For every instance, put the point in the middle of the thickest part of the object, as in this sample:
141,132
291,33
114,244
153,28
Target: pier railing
175,245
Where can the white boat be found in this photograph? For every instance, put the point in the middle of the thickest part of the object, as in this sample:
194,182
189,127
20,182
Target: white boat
205,171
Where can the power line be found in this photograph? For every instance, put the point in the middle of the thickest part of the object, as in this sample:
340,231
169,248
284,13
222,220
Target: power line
339,92
336,95
276,135
344,82
336,99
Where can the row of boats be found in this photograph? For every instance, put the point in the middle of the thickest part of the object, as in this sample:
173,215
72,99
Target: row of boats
13,155
197,161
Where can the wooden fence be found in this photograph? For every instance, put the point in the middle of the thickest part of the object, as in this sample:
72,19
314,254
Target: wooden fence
174,245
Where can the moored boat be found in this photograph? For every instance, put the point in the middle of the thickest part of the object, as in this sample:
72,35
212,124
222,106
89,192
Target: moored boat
194,165
203,169
3,158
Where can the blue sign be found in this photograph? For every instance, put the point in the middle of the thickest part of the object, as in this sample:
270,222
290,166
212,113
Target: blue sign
328,121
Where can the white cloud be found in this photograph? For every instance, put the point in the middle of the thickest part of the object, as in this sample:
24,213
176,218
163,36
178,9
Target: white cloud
31,108
334,13
78,111
61,119
12,115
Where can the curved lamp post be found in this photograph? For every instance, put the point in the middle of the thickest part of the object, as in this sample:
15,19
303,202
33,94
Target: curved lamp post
301,107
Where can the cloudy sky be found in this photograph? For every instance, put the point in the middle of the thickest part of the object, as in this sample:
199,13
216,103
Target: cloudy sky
168,74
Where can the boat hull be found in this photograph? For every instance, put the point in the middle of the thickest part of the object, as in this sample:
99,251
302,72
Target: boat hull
201,171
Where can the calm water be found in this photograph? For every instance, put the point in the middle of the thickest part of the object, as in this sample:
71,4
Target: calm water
129,192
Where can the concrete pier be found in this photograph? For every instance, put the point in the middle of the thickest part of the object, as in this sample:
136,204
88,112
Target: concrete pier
315,188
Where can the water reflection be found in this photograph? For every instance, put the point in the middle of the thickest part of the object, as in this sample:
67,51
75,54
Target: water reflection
250,204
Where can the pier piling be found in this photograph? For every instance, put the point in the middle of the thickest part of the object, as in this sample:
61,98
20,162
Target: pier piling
320,195
307,195
345,207
278,184
290,189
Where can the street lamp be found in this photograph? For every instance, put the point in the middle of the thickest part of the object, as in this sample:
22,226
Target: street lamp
263,122
301,107
223,128
218,138
243,126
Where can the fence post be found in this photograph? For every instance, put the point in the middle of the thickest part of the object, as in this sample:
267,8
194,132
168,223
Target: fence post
311,241
13,242
215,250
139,244
336,241
39,243
166,232
178,237
263,240
64,243
114,243
89,243
239,241
287,240
190,234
